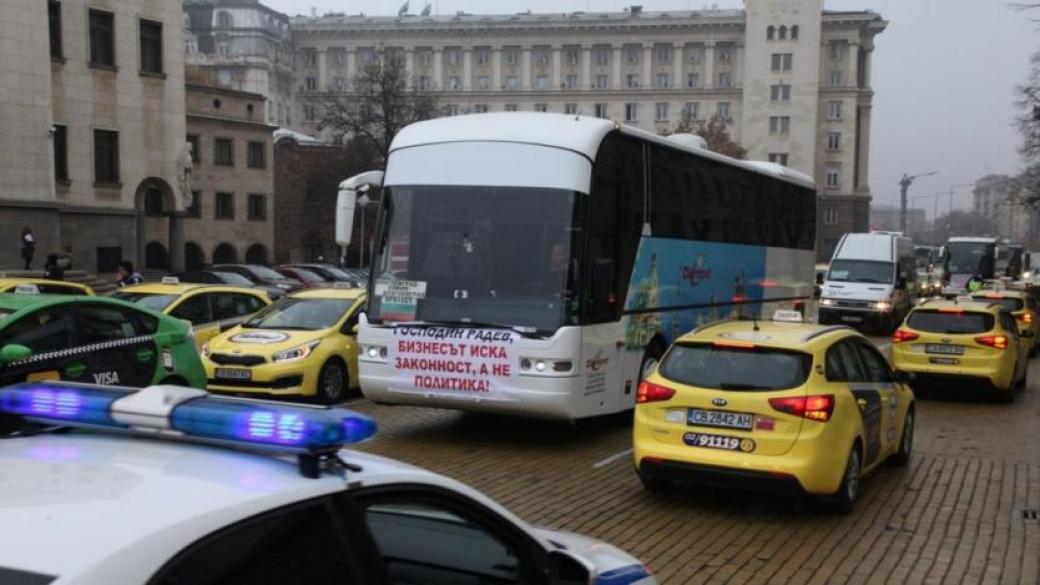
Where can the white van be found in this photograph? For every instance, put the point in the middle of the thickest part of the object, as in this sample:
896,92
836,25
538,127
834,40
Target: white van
871,281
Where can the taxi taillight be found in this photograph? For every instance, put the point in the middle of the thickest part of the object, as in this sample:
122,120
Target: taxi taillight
902,335
818,407
996,341
650,392
1026,317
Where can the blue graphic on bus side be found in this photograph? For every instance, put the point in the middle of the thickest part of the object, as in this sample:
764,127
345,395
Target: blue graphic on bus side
673,275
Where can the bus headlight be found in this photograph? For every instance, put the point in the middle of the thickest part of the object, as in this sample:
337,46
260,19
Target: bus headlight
373,353
827,302
545,366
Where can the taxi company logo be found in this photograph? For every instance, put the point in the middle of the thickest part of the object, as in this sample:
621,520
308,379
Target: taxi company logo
719,402
260,337
597,362
697,272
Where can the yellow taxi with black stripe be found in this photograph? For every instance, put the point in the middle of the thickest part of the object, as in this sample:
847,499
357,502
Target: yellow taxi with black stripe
975,342
303,344
211,309
44,286
773,406
1023,308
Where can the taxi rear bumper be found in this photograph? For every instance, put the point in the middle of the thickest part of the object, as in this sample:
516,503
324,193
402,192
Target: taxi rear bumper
773,482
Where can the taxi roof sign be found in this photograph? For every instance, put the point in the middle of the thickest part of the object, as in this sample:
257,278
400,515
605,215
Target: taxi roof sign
27,289
171,280
788,316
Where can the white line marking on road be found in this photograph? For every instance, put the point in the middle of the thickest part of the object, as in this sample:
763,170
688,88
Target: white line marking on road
612,459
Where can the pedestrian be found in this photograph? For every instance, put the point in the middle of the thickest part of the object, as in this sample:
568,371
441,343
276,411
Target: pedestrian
52,269
28,246
126,274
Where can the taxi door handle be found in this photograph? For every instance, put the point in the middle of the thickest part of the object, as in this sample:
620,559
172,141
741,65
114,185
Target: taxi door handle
862,402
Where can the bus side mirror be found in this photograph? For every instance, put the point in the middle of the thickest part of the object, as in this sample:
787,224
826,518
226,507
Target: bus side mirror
819,278
602,280
13,352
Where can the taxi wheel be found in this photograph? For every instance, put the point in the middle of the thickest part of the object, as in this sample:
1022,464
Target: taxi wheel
906,443
845,499
332,382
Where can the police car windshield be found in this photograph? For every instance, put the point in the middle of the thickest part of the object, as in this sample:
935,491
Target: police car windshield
861,271
301,314
725,368
152,301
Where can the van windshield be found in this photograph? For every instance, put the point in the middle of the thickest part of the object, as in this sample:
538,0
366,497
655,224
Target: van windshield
861,271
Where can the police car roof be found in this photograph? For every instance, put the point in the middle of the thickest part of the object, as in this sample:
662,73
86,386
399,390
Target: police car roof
78,500
329,292
770,333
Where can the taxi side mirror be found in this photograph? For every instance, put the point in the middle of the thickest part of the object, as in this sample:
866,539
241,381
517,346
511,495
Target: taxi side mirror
355,328
901,377
14,352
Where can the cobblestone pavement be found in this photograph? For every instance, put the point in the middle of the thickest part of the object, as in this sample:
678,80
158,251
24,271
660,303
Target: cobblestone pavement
955,515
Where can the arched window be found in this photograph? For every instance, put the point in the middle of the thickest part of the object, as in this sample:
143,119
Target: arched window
153,202
256,254
783,33
225,20
194,257
155,256
770,32
225,254
794,33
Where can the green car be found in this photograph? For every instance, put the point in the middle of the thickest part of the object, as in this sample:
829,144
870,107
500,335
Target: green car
96,340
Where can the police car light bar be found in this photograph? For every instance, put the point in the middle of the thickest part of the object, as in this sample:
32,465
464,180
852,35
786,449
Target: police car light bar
191,413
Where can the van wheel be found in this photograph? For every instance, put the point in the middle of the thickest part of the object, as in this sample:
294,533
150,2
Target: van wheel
906,443
848,492
332,382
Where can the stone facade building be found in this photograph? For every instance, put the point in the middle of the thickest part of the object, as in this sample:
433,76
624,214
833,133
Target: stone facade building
243,45
792,80
92,111
998,201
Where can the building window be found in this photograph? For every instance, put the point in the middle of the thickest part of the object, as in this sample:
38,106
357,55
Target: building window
339,83
779,158
256,155
782,61
782,33
512,56
770,32
571,82
571,55
311,83
451,110
310,57
836,78
61,153
833,175
725,79
195,208
780,125
692,110
453,56
662,80
151,47
102,39
483,56
830,216
223,152
631,80
513,82
106,157
661,112
834,111
484,82
308,112
570,109
193,144
837,50
725,53
602,56
423,56
601,82
632,54
224,19
454,83
257,207
54,22
834,141
780,93
794,33
601,110
542,56
722,110
424,82
510,107
542,82
631,112
694,55
664,54
480,109
693,80
225,206
541,107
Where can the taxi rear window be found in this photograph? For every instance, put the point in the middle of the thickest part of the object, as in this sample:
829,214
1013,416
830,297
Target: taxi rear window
1010,303
741,369
950,322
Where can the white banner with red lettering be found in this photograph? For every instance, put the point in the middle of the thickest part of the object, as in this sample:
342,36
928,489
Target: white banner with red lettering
453,360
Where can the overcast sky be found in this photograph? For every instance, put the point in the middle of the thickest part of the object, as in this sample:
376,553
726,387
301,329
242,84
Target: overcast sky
944,78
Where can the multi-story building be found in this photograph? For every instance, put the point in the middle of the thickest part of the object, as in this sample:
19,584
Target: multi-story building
998,200
792,80
92,111
243,45
887,218
231,215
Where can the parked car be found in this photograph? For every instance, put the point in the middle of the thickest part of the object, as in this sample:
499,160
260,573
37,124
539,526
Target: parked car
261,275
332,273
309,278
228,278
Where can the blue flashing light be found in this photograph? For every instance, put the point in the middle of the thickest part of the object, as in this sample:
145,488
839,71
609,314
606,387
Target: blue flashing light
278,426
61,403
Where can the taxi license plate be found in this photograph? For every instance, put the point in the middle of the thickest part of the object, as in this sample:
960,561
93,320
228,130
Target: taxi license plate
718,442
944,361
233,374
944,348
720,419
852,318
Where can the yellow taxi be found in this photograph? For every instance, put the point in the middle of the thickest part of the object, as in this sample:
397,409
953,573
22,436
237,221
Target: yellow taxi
773,406
943,341
1023,308
304,344
44,286
210,309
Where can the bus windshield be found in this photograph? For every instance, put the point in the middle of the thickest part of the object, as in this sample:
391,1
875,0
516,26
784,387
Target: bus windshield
970,258
861,271
496,256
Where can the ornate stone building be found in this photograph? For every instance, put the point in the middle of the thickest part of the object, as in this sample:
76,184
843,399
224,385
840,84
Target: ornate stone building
792,79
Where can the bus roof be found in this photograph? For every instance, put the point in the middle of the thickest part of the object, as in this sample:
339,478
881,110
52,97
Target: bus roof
972,240
581,134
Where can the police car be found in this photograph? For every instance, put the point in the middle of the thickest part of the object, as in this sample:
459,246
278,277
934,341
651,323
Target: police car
93,339
211,309
172,485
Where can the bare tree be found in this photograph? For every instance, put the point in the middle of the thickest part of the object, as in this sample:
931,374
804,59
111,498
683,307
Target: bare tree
715,132
382,100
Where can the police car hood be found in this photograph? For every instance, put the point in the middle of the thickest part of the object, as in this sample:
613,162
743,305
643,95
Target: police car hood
612,564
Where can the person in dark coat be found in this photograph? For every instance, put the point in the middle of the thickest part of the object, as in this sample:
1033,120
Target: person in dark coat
52,268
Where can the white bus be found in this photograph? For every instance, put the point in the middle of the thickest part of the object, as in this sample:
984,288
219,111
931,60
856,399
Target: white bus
540,264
